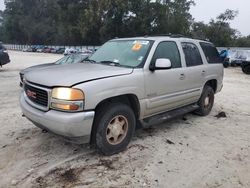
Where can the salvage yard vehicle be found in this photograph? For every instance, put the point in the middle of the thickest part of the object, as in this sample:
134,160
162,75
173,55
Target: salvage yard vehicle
246,67
58,50
4,56
69,51
125,84
236,57
70,59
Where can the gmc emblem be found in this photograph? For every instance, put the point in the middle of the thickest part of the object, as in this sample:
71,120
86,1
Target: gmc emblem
31,94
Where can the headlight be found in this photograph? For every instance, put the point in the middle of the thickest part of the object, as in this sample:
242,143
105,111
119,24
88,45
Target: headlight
67,99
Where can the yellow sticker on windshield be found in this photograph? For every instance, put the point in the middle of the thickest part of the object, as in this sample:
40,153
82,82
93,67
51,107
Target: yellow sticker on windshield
136,47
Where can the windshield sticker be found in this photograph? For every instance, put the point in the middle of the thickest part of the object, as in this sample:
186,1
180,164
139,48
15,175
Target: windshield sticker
142,42
116,60
137,46
140,58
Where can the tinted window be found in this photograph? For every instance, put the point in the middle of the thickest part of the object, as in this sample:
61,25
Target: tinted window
211,53
192,54
168,50
1,47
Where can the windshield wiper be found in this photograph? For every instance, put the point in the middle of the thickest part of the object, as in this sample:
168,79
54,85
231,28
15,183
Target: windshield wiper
89,60
110,63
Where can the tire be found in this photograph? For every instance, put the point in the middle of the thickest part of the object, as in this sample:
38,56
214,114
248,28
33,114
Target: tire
243,69
233,65
206,101
246,69
114,127
225,64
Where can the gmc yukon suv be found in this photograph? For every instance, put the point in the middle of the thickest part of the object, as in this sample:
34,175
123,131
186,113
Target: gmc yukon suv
127,83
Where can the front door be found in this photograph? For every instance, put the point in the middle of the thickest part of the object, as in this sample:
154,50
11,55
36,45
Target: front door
165,89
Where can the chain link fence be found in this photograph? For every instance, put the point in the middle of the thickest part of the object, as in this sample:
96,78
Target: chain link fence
19,47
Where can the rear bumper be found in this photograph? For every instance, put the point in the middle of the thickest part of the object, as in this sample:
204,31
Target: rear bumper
74,126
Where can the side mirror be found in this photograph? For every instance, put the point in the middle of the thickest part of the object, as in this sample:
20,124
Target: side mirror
162,64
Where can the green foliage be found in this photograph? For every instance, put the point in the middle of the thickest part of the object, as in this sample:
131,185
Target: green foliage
92,22
218,31
78,22
242,41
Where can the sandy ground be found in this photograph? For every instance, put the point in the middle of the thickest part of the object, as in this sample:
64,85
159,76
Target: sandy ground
193,152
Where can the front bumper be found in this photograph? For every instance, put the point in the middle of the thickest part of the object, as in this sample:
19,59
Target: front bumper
74,126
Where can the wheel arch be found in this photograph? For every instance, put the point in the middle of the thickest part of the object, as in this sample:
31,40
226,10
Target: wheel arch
212,83
128,99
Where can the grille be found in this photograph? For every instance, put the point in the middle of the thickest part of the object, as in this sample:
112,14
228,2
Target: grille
36,95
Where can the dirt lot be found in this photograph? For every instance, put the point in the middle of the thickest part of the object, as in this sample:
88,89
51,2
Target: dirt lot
192,152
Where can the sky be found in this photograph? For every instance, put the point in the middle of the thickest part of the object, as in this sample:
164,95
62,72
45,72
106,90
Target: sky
207,9
2,4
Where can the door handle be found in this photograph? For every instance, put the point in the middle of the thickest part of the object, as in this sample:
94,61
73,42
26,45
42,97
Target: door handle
203,73
182,76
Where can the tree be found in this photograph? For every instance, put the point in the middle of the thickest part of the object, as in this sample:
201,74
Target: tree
92,22
1,26
217,31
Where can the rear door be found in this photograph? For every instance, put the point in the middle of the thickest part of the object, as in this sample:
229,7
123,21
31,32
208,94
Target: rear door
195,70
214,69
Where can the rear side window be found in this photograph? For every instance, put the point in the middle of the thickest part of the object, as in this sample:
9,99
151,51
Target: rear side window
211,53
168,50
192,54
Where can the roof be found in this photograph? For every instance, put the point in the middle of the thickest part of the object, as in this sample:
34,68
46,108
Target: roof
163,37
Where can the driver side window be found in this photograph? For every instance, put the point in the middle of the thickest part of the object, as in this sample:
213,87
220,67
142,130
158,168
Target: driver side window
168,50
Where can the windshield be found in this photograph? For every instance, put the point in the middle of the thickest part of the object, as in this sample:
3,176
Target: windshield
70,59
128,53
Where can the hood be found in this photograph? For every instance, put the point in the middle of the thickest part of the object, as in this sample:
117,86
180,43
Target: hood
24,71
69,75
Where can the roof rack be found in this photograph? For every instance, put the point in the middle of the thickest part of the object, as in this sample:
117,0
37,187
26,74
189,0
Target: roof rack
167,35
199,38
177,36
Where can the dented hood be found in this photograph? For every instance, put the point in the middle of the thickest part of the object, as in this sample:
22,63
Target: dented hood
69,75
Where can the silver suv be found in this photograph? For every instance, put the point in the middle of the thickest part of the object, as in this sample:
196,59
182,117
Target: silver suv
127,83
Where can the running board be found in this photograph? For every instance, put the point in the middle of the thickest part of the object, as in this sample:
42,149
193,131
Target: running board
160,118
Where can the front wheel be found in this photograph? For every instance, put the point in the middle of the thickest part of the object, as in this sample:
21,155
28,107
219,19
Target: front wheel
246,69
206,101
115,126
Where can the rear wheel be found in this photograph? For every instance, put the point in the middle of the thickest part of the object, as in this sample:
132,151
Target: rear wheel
114,128
246,69
225,64
206,101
